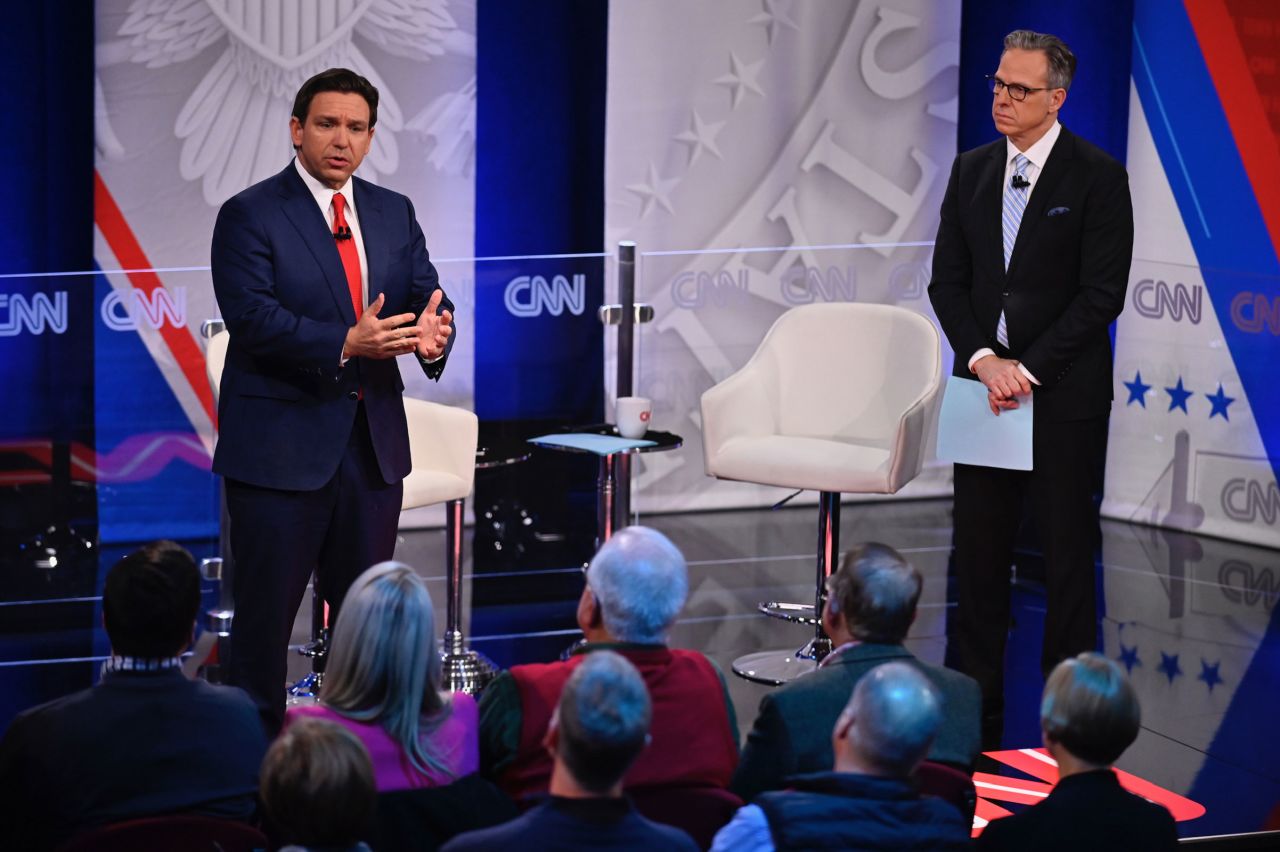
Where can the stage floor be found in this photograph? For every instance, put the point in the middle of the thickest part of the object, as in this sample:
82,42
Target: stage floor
1192,619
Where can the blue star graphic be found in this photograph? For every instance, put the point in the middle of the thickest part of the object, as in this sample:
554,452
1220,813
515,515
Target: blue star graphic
1137,390
1129,658
1209,673
1169,666
1219,401
1178,396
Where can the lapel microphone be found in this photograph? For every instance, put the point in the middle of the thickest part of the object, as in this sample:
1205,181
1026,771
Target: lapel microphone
342,233
1017,182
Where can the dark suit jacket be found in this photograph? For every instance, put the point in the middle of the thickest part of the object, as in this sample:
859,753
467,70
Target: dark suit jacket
286,408
1086,811
1067,276
137,744
792,734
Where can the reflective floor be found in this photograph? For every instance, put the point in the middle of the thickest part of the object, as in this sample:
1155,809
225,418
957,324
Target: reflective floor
1192,619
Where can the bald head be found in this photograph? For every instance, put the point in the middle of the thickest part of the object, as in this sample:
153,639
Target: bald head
889,723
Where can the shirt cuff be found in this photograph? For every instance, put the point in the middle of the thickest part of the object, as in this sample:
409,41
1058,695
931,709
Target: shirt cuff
1027,373
981,353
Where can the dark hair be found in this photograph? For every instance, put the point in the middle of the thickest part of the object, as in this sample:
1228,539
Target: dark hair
604,715
876,591
335,80
1090,708
1062,62
317,785
150,600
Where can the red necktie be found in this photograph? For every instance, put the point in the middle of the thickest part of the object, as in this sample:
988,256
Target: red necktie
347,251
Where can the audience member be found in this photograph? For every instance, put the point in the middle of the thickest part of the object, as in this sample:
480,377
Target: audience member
383,684
636,586
317,788
599,727
145,740
871,603
869,801
1088,716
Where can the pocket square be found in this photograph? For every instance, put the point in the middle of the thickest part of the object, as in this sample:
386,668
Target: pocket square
1058,211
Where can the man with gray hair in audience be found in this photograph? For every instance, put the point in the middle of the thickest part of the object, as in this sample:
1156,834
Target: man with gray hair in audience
869,801
871,604
636,586
600,726
1088,716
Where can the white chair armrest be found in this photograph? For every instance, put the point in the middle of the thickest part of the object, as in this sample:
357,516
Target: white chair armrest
909,444
737,407
443,438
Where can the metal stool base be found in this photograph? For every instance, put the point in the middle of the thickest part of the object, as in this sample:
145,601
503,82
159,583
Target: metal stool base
798,613
306,690
468,671
774,668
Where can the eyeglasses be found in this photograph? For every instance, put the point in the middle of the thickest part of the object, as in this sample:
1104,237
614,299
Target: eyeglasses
1017,91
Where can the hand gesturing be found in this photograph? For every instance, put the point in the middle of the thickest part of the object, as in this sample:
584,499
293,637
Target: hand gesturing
433,331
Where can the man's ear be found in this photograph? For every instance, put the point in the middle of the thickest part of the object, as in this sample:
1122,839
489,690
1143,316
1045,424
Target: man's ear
551,739
1056,99
843,725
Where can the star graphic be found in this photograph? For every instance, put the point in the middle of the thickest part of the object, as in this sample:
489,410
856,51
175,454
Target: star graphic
773,17
1137,390
1129,658
1178,396
654,191
1209,673
741,78
701,136
1169,666
1219,401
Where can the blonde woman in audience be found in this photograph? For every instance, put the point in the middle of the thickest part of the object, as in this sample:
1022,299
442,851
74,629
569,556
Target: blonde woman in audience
383,684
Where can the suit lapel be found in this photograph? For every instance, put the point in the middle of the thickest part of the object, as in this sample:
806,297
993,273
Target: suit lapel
373,234
302,211
989,203
1058,164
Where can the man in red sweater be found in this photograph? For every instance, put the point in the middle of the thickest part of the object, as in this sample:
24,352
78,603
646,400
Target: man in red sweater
636,586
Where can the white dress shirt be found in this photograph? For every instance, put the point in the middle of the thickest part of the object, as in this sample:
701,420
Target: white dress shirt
1037,155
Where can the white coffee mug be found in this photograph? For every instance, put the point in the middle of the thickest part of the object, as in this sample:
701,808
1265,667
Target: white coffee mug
632,414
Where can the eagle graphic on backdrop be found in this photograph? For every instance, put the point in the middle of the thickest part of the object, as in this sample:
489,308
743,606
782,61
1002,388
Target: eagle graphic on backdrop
230,126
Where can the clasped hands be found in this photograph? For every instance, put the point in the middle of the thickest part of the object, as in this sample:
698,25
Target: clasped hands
372,337
1004,380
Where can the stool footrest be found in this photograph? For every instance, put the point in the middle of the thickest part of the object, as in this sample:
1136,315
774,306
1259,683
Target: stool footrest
798,613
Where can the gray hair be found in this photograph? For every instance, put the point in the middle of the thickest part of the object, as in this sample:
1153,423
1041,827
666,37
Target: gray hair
384,666
1090,708
896,715
876,590
1062,62
604,715
640,581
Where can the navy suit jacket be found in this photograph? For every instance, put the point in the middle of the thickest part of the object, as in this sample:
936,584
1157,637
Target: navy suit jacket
137,744
792,734
286,407
1066,279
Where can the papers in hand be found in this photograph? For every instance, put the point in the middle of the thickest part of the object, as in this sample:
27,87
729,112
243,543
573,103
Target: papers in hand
969,433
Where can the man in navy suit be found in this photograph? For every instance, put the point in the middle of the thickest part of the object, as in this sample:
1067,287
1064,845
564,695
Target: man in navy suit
323,281
1030,269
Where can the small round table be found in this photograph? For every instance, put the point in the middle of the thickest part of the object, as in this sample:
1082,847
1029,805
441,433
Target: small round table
613,503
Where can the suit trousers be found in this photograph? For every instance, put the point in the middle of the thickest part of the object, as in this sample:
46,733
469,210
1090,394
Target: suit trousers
1063,491
280,538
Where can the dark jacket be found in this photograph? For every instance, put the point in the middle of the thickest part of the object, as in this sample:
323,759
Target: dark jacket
1085,811
1066,279
792,733
137,744
573,824
837,810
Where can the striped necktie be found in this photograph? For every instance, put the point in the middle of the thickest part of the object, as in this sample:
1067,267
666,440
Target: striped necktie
1015,203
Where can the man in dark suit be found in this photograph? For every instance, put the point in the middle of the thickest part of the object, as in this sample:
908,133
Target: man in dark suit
323,280
1029,270
1089,715
871,603
145,740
